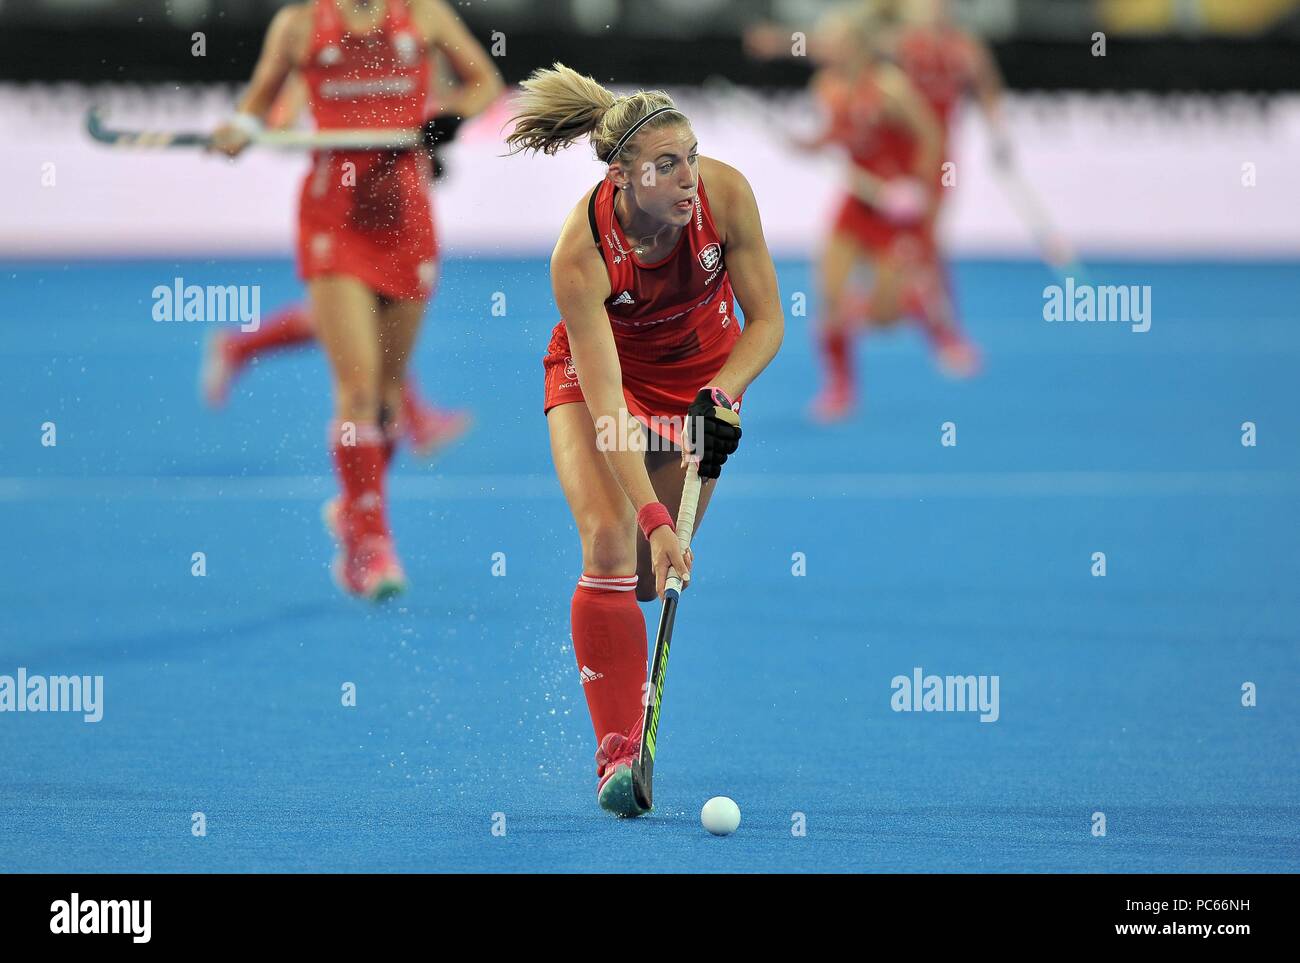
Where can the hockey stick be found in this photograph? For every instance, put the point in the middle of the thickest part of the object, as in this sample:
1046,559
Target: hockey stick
358,139
1055,250
643,771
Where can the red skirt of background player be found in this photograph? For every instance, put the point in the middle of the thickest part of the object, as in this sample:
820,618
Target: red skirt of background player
661,375
368,215
880,236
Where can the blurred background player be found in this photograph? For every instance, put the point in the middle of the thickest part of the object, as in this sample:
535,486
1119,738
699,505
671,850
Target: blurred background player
886,218
424,426
894,121
643,275
366,244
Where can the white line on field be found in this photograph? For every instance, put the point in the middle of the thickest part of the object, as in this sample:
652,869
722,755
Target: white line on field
830,486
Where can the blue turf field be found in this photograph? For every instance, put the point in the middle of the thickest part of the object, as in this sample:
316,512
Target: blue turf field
222,694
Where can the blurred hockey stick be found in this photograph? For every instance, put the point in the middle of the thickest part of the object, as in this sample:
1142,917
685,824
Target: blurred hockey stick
359,139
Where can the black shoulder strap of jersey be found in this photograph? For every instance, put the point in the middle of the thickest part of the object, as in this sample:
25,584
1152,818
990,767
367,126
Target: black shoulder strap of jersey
591,214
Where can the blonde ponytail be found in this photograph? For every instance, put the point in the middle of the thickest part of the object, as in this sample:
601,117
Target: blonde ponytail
560,106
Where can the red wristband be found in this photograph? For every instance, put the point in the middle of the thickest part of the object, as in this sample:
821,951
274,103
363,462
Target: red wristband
653,515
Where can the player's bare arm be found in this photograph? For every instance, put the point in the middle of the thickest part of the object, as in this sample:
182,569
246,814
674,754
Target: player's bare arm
282,50
479,82
752,277
989,90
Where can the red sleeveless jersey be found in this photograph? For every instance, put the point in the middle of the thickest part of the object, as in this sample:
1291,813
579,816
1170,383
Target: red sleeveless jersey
673,320
875,141
678,305
376,79
940,63
882,146
367,213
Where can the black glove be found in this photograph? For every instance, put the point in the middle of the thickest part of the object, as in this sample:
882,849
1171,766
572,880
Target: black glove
712,430
438,133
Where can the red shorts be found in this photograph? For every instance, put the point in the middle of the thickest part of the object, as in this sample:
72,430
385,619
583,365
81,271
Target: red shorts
657,392
869,228
372,221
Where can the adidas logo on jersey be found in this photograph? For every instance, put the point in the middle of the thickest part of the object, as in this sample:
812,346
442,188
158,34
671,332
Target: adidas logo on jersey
589,675
624,298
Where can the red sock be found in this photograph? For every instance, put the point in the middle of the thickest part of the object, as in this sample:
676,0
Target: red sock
361,468
609,641
836,353
928,300
287,327
413,405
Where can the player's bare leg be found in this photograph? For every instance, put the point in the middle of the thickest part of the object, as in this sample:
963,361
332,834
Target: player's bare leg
398,326
227,352
427,428
882,306
927,296
424,425
609,633
835,267
347,320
